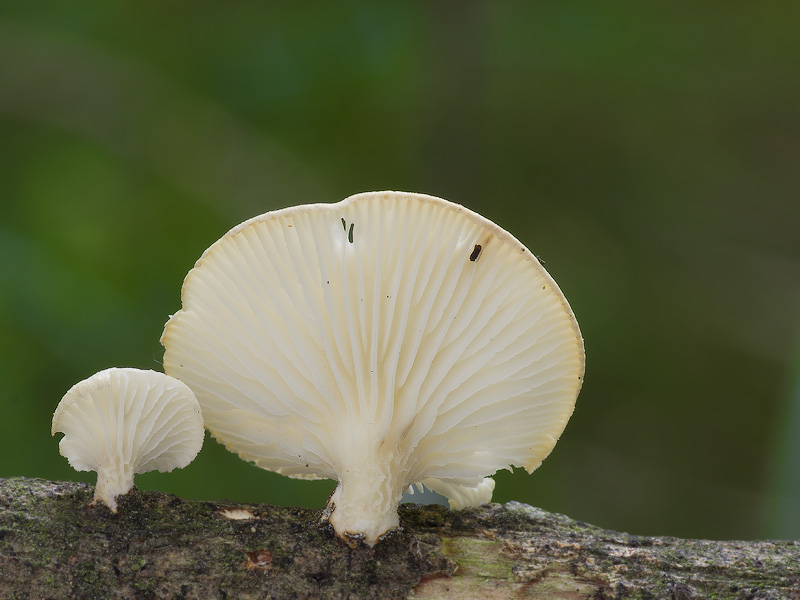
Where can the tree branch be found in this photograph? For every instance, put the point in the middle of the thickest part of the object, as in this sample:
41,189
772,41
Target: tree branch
52,545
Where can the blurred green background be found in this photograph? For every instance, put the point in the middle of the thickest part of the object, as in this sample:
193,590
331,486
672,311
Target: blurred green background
648,152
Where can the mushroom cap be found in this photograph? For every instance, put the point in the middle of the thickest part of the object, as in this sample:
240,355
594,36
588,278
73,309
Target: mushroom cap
120,422
393,328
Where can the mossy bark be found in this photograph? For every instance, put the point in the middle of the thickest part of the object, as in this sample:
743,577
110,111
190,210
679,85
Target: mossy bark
52,545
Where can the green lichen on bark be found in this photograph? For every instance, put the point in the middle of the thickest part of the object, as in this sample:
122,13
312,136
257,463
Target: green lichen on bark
53,545
552,556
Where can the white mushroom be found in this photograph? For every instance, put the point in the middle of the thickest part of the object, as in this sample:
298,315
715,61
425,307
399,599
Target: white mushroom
382,341
120,422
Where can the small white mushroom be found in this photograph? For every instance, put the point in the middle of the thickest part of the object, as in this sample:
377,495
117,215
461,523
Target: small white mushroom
382,341
120,422
460,496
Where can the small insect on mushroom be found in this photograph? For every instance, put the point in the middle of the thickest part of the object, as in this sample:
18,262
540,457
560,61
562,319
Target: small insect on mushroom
425,349
476,252
120,422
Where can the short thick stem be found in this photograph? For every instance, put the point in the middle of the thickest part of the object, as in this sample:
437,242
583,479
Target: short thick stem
112,481
364,505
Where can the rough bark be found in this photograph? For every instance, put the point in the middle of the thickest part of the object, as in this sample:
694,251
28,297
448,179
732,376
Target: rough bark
53,545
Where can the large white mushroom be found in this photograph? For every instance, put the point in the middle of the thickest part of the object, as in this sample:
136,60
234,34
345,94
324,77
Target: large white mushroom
120,422
382,341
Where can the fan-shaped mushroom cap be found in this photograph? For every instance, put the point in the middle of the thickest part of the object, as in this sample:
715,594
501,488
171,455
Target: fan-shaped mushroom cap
120,422
380,341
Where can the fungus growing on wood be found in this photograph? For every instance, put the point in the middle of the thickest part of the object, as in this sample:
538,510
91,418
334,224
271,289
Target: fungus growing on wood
381,341
120,422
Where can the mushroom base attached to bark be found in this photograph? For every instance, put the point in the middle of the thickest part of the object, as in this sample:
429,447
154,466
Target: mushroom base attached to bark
112,482
364,504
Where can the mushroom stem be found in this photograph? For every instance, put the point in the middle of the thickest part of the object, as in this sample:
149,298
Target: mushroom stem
112,481
364,504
